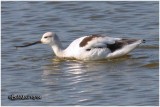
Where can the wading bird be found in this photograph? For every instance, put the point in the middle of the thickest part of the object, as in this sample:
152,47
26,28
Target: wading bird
92,47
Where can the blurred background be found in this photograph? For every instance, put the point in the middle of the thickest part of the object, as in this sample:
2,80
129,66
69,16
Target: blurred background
126,81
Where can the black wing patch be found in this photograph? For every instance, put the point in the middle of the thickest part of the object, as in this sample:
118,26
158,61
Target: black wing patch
119,44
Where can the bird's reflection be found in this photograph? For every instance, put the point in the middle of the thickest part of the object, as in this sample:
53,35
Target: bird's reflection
74,79
58,65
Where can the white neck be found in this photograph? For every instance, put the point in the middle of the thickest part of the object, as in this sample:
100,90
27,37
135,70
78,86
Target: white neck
58,49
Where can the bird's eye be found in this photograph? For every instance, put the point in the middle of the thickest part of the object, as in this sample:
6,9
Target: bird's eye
46,37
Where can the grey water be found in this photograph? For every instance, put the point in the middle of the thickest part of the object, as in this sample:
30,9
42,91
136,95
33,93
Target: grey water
36,71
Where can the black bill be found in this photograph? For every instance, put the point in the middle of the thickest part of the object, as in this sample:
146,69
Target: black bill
29,44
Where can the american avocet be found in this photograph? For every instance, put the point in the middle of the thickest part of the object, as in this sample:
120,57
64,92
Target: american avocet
92,47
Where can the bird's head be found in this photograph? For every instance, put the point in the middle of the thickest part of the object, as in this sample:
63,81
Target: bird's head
48,38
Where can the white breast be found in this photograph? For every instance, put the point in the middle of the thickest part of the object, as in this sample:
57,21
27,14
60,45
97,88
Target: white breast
73,50
78,52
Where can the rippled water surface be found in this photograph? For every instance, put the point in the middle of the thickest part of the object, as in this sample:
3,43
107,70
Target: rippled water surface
129,80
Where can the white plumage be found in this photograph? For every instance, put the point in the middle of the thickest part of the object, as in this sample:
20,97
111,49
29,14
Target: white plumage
93,47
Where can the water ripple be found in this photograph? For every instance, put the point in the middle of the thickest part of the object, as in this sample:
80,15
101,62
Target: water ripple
129,80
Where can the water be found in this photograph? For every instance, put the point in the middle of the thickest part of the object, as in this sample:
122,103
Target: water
129,80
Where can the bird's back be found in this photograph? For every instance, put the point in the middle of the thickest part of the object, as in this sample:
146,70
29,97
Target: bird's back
96,47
